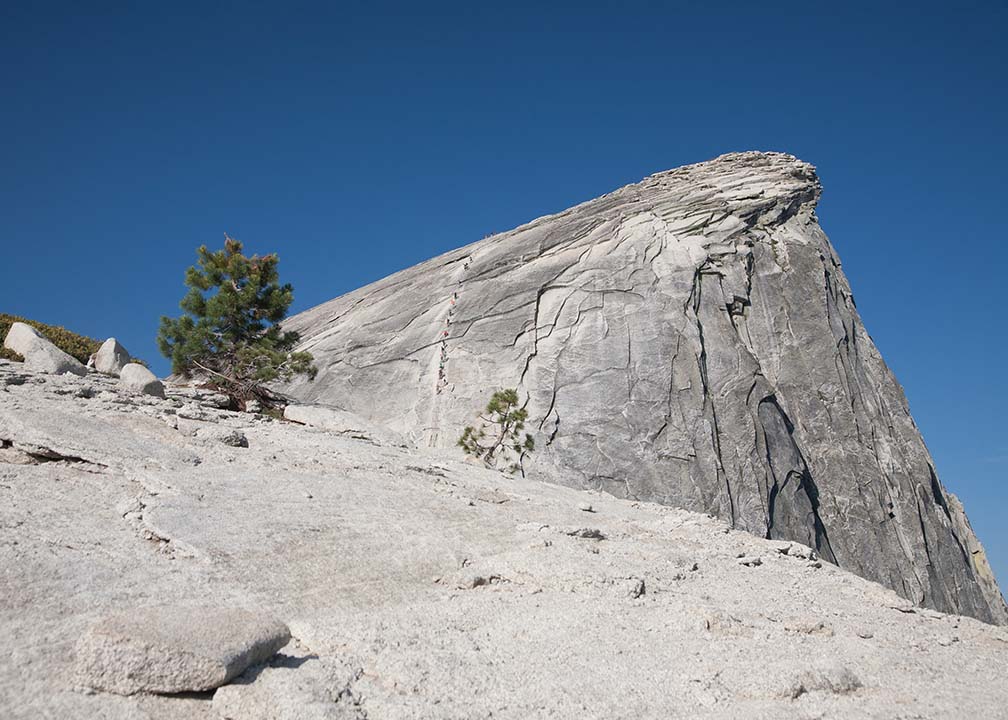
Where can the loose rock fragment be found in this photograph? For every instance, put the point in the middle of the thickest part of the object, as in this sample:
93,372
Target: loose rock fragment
192,411
139,379
175,649
218,400
111,357
470,581
797,550
13,456
39,354
588,533
837,680
223,435
810,627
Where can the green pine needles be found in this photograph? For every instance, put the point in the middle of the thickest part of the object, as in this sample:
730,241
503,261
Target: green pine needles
498,440
229,334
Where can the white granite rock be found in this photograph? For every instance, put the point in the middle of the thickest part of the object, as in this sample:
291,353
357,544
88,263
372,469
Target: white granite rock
21,338
111,357
39,354
175,649
139,379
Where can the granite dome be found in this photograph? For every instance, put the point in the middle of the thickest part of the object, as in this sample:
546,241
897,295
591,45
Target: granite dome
690,339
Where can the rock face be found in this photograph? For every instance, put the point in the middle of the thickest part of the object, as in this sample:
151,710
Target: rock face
415,585
175,649
39,354
111,357
691,340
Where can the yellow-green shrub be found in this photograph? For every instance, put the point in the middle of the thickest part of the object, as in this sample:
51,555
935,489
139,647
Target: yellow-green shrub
80,346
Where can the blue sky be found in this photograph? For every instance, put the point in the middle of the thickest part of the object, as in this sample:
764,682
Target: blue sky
359,138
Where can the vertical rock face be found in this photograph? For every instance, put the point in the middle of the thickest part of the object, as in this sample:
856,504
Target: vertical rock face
691,340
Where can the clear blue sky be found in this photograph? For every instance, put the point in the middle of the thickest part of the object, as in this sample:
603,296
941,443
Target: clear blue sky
359,138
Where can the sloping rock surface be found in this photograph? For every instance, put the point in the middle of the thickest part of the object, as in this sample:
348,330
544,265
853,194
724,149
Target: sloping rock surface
340,422
418,585
689,340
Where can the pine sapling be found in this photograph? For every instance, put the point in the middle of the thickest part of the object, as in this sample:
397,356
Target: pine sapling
499,436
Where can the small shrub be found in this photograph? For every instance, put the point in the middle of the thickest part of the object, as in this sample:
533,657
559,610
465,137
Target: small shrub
498,439
79,346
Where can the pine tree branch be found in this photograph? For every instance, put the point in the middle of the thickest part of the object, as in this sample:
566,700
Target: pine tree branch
214,372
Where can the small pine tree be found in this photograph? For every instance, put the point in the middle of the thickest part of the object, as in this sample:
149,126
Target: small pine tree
505,422
229,332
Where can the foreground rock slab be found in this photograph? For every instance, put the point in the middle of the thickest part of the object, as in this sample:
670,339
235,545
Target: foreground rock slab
417,585
175,649
39,354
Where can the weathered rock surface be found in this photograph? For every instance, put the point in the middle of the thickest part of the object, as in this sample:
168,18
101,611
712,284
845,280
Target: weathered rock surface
340,422
691,340
39,354
175,649
137,378
418,585
296,686
226,436
111,357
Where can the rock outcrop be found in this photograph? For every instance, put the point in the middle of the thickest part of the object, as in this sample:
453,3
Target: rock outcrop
137,378
691,340
414,584
111,357
39,354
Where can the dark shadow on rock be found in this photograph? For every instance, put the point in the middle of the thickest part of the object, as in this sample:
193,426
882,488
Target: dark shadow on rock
287,662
